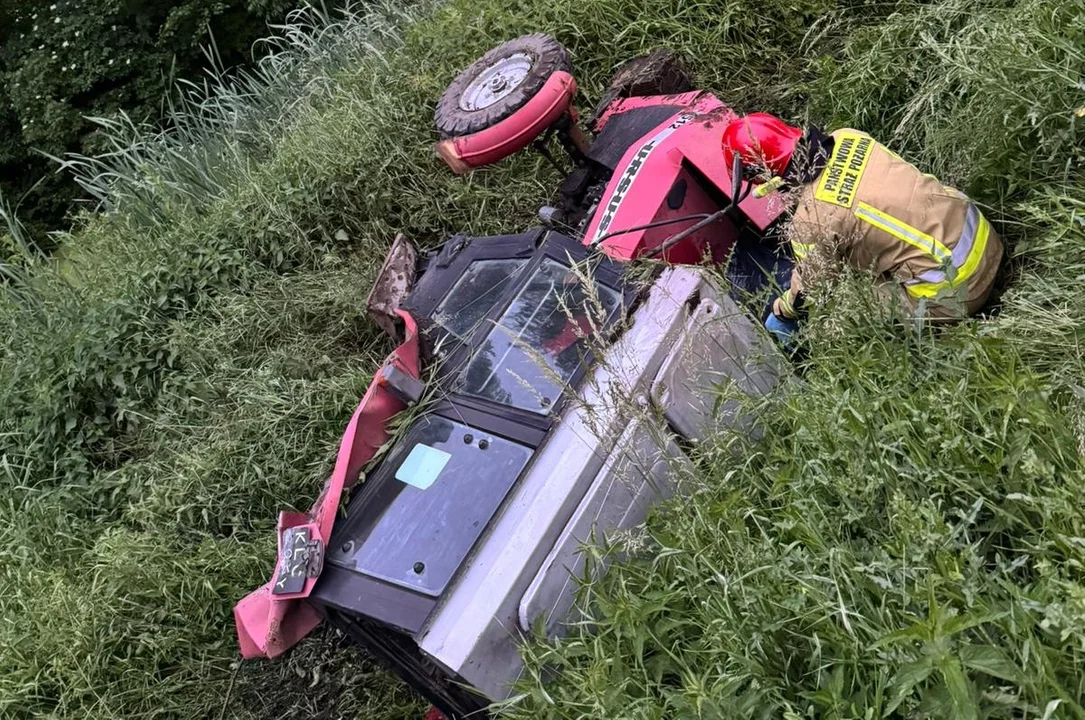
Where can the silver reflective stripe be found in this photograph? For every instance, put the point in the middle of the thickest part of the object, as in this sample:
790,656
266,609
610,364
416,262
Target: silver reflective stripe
963,248
902,231
928,276
960,252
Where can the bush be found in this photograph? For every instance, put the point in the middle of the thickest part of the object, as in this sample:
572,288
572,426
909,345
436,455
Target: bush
65,61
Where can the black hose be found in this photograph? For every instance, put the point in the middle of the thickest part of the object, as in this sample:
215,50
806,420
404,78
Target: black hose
651,225
679,237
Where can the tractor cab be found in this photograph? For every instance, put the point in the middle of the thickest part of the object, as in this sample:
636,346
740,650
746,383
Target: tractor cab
511,325
558,395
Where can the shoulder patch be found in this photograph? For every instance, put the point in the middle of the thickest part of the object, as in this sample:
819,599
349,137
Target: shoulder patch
840,178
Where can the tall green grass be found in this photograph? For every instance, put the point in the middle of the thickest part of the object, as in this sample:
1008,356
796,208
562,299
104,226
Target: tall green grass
906,537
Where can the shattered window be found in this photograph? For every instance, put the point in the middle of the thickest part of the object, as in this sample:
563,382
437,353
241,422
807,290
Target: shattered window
540,341
474,294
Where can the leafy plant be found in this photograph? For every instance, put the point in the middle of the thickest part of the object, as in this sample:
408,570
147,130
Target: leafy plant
64,61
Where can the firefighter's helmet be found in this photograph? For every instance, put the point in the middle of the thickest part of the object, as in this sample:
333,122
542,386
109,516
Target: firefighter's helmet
764,142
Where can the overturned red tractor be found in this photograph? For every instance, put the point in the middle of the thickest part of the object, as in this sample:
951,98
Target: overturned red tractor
544,395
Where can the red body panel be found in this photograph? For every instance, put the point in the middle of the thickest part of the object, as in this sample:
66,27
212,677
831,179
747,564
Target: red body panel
686,145
712,242
269,624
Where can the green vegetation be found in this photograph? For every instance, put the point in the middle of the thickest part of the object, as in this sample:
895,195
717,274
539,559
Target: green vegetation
64,61
905,539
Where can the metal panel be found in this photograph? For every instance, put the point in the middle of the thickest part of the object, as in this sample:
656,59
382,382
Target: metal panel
624,129
721,345
362,595
419,515
475,630
639,473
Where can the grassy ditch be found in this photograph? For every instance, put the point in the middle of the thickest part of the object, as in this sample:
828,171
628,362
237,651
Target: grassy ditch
905,539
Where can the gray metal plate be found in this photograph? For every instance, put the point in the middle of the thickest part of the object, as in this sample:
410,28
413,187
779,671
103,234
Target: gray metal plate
721,345
427,505
638,474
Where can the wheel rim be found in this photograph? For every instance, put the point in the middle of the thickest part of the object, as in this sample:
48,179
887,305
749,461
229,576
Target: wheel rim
496,82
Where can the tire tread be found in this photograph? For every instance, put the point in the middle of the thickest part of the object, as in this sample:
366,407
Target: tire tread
550,57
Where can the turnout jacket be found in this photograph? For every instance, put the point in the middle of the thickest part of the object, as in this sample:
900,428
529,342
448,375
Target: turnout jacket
861,201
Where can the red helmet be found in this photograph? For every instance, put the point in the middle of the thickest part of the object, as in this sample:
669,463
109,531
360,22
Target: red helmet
761,140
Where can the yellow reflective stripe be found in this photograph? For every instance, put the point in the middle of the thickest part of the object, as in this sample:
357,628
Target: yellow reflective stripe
976,256
771,186
801,250
965,271
903,231
787,308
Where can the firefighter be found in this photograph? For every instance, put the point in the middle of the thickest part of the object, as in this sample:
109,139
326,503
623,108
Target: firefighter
856,199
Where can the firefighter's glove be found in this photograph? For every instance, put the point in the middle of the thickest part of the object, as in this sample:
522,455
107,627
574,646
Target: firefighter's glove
782,329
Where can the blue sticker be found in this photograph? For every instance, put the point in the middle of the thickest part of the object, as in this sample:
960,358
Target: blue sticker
422,466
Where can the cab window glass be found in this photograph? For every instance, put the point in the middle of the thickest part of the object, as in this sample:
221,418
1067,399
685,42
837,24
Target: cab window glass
541,339
474,294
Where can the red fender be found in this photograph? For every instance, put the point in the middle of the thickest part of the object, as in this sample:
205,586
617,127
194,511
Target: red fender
269,624
515,132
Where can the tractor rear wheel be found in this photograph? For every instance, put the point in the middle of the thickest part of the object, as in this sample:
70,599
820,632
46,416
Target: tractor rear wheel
498,84
660,72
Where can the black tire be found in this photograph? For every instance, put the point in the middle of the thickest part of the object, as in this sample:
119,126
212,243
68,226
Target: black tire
661,72
455,115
